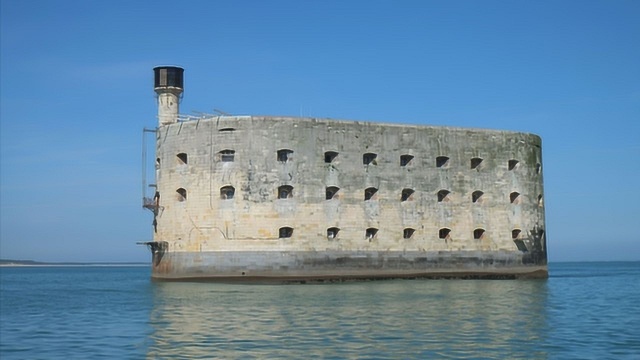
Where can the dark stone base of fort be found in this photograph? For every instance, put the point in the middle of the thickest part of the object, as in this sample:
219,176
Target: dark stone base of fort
336,266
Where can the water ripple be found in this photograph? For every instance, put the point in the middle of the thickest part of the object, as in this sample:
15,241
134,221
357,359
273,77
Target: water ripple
586,311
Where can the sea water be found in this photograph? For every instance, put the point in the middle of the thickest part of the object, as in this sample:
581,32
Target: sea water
583,311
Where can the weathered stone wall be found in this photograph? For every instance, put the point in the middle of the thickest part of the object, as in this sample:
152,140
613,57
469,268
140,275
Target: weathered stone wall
252,218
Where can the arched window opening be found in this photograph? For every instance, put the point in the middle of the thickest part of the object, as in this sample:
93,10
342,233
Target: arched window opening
540,201
157,163
514,197
285,192
476,196
407,194
408,233
442,161
369,159
332,233
182,194
330,156
370,233
443,195
227,192
513,164
369,193
332,192
444,234
538,168
285,155
475,163
478,234
227,155
405,159
182,159
515,233
285,232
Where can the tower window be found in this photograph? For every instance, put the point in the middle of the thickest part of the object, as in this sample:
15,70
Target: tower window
227,192
408,233
538,168
515,233
406,194
332,233
477,196
405,160
513,164
330,156
442,161
183,158
370,233
478,234
332,192
182,194
369,159
157,163
369,193
227,155
475,163
444,233
285,192
540,203
285,232
514,197
443,195
285,155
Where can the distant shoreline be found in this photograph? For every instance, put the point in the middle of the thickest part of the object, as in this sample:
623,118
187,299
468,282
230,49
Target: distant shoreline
31,263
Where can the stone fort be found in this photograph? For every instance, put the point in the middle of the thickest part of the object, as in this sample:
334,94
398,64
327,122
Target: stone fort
307,198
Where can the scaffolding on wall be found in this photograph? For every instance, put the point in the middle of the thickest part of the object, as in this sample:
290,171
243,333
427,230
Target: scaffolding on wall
148,202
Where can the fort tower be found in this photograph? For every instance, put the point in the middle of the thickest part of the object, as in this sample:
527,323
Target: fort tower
168,84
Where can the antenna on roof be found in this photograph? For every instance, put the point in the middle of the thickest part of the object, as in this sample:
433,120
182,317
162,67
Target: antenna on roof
221,112
201,114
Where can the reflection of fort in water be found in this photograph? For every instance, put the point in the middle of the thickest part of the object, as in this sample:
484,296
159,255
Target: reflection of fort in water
370,320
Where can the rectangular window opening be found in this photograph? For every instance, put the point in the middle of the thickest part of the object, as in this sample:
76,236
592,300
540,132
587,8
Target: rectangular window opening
183,158
227,155
405,160
369,159
442,161
330,156
285,155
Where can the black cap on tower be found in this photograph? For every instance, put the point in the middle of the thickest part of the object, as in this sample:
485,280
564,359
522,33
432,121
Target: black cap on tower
168,78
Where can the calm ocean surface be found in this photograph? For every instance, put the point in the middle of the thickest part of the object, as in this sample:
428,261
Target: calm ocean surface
584,311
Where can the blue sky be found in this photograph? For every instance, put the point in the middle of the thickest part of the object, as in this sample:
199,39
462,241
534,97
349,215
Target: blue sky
76,91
